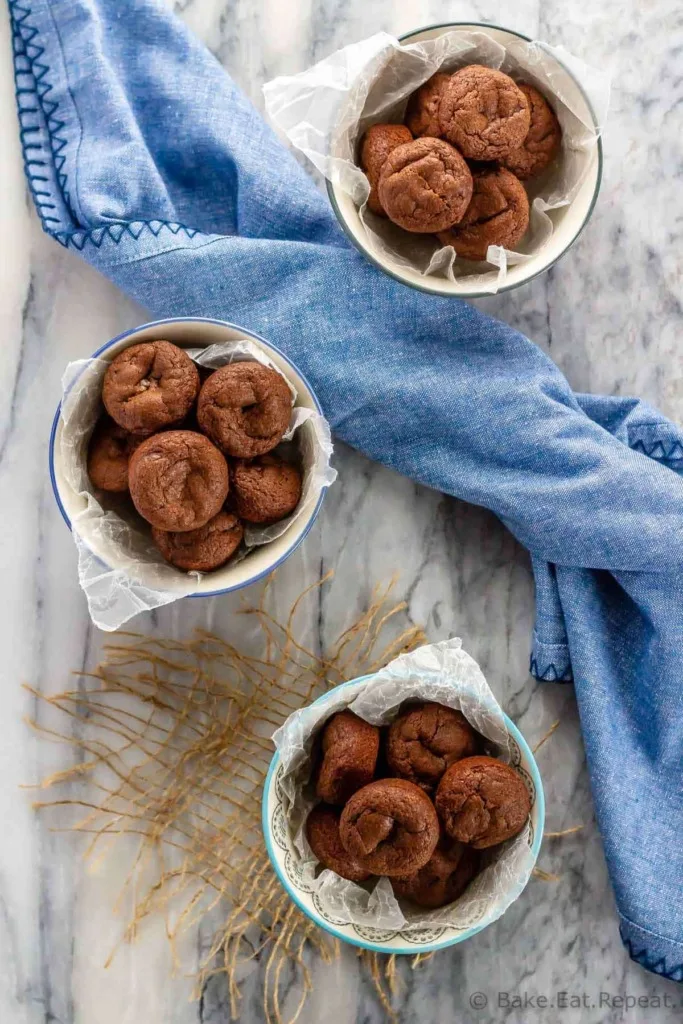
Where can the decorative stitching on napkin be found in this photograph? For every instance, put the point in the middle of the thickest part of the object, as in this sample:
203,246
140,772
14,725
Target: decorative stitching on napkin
117,229
549,673
657,965
658,451
32,92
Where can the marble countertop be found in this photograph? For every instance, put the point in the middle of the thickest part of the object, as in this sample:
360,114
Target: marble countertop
609,314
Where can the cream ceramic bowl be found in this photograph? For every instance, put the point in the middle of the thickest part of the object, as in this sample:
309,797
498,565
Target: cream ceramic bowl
192,332
285,858
568,221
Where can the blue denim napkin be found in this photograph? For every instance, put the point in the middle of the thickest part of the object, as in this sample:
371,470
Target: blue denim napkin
143,156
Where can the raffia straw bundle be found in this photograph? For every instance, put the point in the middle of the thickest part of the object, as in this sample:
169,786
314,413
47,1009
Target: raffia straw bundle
173,747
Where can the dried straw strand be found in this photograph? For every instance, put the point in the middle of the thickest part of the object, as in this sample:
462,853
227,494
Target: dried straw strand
172,747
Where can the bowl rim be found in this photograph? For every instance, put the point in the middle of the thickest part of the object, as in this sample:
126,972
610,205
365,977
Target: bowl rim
441,292
427,947
192,320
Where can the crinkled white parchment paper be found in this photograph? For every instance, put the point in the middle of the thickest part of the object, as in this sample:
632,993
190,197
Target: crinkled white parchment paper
440,672
142,580
325,110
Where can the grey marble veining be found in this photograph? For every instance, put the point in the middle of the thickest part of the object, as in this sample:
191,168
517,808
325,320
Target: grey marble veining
609,314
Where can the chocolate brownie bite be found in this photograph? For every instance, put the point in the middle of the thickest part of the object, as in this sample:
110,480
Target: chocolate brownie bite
150,386
204,549
425,739
349,747
482,801
497,215
378,142
425,186
484,113
422,112
322,832
109,452
178,480
390,827
245,408
542,140
265,489
443,879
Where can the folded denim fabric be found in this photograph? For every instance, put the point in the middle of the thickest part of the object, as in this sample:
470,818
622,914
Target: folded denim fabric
143,156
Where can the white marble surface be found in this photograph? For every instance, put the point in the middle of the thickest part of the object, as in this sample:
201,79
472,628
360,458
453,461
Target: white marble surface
609,314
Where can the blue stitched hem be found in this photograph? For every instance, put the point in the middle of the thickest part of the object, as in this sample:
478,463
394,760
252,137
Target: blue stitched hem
659,441
550,661
549,672
116,230
653,952
39,126
659,452
43,149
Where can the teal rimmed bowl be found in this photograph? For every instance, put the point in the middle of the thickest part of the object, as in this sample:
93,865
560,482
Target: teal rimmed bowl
285,859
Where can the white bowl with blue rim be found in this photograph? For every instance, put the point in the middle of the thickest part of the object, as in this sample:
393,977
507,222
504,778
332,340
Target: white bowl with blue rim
196,332
286,861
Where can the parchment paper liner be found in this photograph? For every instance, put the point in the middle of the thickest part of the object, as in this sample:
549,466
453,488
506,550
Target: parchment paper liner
143,580
440,672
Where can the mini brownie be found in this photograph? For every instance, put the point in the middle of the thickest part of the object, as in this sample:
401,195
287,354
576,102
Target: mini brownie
349,755
444,877
204,549
426,739
322,832
378,142
425,186
109,452
542,141
150,386
245,408
178,480
484,113
482,801
497,215
422,112
265,489
390,827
